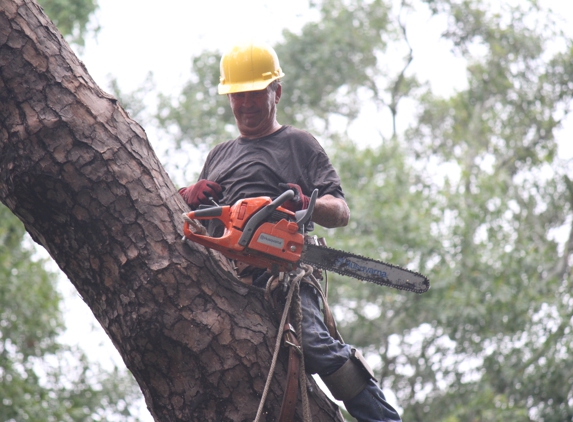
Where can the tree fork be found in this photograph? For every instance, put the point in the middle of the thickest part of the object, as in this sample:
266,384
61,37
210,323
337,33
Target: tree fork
82,177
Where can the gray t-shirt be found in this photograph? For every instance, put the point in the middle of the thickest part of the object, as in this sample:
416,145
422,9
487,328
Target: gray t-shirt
247,168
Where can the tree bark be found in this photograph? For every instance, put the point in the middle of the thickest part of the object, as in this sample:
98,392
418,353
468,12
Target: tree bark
83,179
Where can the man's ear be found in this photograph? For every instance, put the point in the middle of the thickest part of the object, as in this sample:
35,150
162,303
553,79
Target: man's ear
278,93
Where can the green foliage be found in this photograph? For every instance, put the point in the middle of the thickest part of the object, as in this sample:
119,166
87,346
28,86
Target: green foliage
71,17
37,301
327,63
500,302
41,379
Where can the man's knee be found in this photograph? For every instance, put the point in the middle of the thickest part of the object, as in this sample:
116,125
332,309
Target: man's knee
350,379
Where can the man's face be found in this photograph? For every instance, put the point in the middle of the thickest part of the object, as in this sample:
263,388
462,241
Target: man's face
255,111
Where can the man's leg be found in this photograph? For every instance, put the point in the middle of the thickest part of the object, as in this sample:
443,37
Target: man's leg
337,364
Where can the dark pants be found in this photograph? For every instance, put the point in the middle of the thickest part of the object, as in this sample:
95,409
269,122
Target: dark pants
323,355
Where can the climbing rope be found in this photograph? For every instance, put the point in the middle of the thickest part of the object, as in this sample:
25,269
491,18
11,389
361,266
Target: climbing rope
277,344
293,290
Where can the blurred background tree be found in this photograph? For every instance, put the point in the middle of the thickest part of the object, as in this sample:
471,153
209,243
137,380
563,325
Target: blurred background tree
74,18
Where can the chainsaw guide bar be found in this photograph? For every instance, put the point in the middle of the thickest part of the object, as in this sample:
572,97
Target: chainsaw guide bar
362,268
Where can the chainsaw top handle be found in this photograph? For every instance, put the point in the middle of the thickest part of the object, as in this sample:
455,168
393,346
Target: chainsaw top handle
302,216
256,220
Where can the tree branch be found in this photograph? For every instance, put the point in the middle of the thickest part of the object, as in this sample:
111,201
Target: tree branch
82,177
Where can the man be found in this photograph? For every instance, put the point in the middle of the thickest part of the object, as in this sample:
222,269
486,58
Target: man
265,160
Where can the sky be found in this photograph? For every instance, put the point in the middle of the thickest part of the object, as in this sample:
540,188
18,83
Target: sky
139,36
142,36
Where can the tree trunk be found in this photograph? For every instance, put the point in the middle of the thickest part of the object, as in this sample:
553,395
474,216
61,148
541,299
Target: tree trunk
83,179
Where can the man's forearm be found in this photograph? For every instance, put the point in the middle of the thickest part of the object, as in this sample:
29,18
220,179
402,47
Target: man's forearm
331,212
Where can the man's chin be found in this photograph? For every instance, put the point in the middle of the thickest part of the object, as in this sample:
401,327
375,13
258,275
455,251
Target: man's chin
250,122
251,128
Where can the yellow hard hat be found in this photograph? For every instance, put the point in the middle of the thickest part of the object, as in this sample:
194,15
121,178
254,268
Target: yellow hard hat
248,67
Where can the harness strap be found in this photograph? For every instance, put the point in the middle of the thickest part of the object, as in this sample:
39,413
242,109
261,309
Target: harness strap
303,381
288,406
296,360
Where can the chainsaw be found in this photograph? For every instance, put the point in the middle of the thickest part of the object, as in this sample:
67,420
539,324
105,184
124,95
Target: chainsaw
260,232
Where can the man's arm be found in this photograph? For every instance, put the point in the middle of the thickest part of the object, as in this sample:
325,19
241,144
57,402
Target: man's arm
331,212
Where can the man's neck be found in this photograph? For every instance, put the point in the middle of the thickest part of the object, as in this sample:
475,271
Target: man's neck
248,135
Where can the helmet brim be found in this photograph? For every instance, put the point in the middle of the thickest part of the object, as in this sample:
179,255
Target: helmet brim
233,88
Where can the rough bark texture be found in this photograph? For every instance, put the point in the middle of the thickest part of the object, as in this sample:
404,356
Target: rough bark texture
84,180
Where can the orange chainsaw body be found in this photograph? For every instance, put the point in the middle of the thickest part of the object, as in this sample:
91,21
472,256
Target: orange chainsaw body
276,245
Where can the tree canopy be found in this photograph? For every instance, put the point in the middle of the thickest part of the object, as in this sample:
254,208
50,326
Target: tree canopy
72,17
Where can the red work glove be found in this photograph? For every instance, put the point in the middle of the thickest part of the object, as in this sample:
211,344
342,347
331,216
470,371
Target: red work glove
299,202
200,192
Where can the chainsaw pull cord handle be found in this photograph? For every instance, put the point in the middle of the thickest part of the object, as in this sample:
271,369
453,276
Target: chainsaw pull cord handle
255,221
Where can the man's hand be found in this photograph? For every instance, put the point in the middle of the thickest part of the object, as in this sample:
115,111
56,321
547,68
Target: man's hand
299,202
200,192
